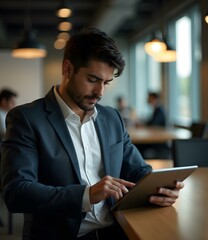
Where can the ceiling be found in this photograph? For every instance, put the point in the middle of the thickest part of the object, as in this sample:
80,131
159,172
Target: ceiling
112,16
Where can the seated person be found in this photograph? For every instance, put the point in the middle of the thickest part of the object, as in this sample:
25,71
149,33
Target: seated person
7,102
66,159
158,117
127,112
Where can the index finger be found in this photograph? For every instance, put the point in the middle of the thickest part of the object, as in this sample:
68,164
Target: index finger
124,182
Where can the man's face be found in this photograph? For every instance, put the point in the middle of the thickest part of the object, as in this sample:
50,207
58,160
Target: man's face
8,104
86,87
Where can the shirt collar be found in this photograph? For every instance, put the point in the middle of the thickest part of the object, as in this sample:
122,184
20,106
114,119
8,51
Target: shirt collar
67,111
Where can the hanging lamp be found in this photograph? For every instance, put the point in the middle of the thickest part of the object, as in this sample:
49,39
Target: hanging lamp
63,11
64,25
206,18
169,55
158,47
155,46
29,47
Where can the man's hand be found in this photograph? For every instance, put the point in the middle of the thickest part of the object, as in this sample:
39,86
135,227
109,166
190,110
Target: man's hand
109,187
170,195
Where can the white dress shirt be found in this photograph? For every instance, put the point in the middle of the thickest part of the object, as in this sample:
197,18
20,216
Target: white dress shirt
88,152
2,122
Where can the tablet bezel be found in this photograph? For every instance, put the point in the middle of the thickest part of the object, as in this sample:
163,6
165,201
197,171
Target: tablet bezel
148,185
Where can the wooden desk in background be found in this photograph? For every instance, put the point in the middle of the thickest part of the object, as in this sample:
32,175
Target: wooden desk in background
157,163
147,135
187,219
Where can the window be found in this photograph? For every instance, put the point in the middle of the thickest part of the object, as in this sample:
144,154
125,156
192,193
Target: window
184,76
183,66
147,78
179,82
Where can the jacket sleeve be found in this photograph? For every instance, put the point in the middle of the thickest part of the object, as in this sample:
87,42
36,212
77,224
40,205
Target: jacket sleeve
24,186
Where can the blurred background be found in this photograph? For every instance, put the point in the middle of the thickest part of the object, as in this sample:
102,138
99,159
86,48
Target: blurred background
181,81
164,44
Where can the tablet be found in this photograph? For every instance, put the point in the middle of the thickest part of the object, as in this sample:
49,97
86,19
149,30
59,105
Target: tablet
139,195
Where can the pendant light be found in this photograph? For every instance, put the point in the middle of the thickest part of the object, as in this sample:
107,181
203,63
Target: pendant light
155,46
158,47
63,11
169,55
64,26
206,18
29,47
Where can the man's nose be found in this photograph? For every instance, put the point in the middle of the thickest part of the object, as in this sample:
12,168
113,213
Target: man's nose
99,89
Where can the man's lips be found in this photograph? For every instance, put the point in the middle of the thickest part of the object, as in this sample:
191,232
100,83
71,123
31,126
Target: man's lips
93,100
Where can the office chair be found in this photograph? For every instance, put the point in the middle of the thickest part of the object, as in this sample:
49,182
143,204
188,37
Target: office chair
188,152
10,217
197,129
205,132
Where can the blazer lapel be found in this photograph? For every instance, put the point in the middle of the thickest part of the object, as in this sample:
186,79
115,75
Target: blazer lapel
56,119
103,136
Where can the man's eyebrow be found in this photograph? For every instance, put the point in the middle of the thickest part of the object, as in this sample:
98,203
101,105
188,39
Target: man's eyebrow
98,78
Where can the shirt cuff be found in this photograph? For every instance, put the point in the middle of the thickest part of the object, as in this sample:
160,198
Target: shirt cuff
86,205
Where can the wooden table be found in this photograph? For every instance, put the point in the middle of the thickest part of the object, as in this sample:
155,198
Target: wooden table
147,135
157,163
187,219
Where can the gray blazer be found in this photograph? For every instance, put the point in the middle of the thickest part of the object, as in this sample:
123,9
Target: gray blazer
40,171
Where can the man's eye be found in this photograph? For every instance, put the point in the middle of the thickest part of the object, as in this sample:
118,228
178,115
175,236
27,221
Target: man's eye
92,80
107,83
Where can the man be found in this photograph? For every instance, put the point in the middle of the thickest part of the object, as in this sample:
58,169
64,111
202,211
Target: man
158,117
67,158
7,102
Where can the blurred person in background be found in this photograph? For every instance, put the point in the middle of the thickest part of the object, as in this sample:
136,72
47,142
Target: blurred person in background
7,102
127,112
158,117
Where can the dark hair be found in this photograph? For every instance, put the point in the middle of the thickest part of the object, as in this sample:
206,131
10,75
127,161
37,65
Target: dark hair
154,95
7,94
93,44
120,99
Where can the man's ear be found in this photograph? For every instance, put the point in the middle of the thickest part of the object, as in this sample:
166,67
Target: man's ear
67,69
